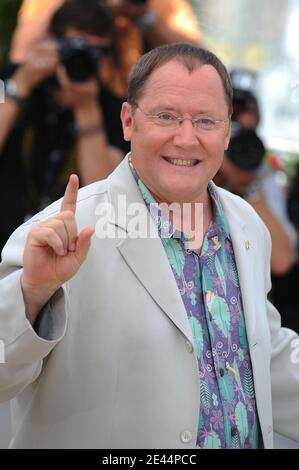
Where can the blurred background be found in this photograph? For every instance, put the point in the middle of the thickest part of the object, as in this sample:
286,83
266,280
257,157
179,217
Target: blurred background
262,36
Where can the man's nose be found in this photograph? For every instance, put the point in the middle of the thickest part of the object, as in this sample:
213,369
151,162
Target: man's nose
185,135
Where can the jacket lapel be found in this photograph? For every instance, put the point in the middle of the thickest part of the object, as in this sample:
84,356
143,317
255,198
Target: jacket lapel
145,256
244,251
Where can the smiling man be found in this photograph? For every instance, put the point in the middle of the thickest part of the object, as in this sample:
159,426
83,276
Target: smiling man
131,341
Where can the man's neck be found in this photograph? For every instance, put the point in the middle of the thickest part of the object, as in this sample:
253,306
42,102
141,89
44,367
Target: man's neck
192,219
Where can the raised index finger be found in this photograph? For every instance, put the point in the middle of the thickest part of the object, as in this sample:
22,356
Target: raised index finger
69,200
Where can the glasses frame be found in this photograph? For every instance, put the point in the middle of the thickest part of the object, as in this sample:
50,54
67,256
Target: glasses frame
179,119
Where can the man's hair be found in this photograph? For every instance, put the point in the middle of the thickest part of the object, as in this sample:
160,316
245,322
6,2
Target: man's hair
85,15
189,56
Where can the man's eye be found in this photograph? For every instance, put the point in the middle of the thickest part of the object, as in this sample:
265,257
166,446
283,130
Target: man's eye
205,122
166,117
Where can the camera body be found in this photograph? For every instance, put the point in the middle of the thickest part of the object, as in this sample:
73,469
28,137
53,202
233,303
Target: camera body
246,150
80,60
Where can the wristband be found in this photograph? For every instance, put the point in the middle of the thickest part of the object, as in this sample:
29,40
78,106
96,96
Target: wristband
11,90
89,130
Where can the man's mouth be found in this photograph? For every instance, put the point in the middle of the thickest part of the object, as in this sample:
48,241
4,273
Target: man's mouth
181,161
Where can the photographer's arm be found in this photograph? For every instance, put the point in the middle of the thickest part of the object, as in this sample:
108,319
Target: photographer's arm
9,111
96,159
160,21
41,63
161,33
282,256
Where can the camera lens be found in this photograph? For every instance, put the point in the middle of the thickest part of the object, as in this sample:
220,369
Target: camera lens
79,59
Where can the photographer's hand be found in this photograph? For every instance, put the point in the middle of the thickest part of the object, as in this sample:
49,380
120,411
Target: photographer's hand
81,97
126,8
41,63
96,158
156,29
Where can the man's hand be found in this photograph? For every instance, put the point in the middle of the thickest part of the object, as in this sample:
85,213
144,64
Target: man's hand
53,253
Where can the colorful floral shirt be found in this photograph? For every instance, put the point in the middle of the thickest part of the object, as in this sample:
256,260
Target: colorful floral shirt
209,286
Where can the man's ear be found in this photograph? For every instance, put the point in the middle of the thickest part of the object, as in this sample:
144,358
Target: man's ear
127,120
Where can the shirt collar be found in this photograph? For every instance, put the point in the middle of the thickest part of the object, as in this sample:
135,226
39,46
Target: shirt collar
218,227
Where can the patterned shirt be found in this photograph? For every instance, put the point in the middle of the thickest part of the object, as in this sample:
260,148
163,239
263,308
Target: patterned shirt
209,287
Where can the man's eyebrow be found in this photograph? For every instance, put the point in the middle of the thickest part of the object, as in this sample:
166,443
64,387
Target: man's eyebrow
167,107
162,107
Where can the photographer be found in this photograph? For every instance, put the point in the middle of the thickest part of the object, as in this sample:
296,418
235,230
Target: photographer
140,25
269,200
51,123
159,22
242,173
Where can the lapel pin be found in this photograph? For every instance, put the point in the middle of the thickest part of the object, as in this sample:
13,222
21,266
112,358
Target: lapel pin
247,244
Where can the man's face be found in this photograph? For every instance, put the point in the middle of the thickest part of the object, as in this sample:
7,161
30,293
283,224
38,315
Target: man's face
172,89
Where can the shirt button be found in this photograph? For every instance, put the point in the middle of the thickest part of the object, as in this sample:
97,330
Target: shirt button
221,372
186,436
189,347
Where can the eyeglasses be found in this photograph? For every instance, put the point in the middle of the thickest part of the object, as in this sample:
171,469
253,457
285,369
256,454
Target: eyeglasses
172,121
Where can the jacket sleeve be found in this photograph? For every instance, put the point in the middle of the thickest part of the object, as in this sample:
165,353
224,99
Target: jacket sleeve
23,349
284,367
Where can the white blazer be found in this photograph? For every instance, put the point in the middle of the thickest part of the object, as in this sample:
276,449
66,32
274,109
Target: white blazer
114,363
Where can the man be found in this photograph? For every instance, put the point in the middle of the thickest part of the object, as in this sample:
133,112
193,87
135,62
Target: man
149,342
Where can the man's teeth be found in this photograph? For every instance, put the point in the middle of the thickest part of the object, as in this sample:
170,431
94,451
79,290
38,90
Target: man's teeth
178,162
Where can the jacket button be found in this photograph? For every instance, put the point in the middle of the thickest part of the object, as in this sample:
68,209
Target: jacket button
186,436
189,347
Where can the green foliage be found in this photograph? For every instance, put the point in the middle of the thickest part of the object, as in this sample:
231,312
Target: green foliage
226,387
248,384
221,315
241,421
176,256
8,15
197,335
212,441
205,396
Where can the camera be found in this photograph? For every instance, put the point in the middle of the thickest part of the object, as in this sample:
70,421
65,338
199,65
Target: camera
246,150
80,60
